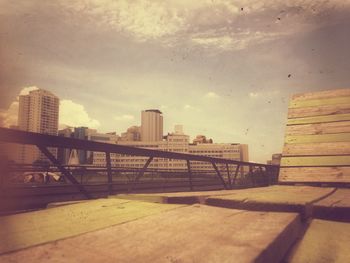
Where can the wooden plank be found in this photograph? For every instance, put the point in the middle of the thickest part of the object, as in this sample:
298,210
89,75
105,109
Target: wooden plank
319,110
201,234
319,128
318,102
321,94
319,119
316,161
325,148
337,137
315,174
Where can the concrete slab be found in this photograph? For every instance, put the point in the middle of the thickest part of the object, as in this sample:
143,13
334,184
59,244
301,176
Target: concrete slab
195,233
334,207
33,228
274,198
323,242
174,198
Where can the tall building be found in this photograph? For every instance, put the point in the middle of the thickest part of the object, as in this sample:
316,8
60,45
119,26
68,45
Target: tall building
38,112
176,142
151,125
132,134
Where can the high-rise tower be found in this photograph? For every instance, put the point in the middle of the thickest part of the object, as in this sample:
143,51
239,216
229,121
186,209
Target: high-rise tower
151,125
38,112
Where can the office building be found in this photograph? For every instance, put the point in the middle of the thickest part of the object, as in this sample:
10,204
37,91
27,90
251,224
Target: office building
151,125
38,112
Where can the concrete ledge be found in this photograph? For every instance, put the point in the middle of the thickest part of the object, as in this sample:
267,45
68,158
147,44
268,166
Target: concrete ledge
323,242
195,233
334,207
175,198
38,227
274,198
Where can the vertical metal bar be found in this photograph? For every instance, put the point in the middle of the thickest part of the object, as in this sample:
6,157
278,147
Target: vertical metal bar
65,172
109,172
236,174
189,174
219,175
228,176
252,177
261,175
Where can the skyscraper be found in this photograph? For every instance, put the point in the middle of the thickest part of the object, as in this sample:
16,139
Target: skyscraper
38,112
151,125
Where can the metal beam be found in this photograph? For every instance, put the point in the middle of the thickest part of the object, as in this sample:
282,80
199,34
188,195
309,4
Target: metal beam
109,172
236,174
228,176
24,137
189,174
64,171
219,175
143,170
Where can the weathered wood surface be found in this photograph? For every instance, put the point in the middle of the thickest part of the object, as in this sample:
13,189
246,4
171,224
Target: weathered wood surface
322,94
323,242
325,148
315,174
319,110
336,137
319,102
317,138
316,161
319,119
335,206
319,128
34,228
188,234
273,198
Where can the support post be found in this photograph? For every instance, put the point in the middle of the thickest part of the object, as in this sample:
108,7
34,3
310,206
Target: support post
64,171
236,174
143,170
219,175
228,176
109,172
189,174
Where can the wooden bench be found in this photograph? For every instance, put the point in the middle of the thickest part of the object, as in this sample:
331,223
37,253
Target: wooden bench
317,140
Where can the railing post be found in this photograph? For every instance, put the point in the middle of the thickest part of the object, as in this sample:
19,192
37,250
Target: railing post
65,172
219,175
228,176
236,174
189,174
109,172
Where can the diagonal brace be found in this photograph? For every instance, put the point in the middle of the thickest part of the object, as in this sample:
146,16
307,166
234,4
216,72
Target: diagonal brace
64,171
143,170
219,175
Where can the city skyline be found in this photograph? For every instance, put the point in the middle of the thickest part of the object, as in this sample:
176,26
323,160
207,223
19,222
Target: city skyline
225,69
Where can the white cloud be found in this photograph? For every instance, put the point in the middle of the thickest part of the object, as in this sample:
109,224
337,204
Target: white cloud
75,115
188,107
70,113
26,90
211,95
9,117
125,117
253,94
207,23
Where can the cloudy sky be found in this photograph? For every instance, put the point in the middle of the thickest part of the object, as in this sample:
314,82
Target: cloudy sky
218,67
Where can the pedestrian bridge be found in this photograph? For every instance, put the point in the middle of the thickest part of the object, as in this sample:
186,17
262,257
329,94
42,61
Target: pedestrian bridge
304,218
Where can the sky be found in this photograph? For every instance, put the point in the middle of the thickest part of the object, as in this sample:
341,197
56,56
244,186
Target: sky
225,69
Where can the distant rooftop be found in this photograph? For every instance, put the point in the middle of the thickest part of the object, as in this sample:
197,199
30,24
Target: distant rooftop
154,110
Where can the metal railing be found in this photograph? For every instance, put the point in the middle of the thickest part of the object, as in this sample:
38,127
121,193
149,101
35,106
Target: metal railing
227,173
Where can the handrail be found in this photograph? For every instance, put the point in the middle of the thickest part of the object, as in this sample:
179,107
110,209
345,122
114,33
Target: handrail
24,137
